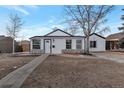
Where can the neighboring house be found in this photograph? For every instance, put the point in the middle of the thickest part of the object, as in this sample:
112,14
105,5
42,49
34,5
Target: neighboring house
59,41
112,41
5,44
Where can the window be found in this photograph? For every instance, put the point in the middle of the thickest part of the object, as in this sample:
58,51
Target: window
68,44
92,44
78,44
36,44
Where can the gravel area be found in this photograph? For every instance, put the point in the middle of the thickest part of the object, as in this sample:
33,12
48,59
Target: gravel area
9,64
69,72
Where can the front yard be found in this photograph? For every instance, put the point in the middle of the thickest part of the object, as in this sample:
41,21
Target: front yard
60,71
9,64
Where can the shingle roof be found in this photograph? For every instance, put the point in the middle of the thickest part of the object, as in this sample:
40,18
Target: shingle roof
64,36
115,37
58,30
97,35
55,36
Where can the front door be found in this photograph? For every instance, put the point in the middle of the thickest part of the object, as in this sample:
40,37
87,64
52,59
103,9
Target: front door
47,47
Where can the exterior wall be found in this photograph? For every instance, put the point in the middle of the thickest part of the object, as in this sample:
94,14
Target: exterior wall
73,43
100,43
6,45
42,44
59,45
58,33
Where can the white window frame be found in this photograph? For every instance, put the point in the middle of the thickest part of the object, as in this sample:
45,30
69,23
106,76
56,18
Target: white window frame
78,44
33,44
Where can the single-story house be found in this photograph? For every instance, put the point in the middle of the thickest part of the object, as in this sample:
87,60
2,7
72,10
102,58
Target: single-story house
59,41
113,40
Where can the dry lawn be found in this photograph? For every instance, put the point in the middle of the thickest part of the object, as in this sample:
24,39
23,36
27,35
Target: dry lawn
66,72
111,54
9,64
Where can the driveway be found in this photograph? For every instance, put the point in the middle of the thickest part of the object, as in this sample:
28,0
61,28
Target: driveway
114,56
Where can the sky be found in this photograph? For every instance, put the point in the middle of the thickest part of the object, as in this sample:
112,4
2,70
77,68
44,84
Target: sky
40,20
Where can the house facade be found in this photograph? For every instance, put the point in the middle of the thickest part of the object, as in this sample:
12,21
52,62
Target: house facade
115,41
59,41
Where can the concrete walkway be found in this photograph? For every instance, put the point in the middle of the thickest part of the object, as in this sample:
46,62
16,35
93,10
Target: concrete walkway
16,78
112,57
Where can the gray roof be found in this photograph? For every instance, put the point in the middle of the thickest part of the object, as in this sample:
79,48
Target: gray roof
115,37
70,36
4,37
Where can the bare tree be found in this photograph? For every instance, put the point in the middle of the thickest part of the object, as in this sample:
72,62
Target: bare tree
15,25
72,28
122,27
88,18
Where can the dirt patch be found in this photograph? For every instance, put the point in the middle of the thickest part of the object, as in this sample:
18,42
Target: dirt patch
9,64
65,72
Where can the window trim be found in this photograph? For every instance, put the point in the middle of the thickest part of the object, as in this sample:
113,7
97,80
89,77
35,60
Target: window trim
93,44
36,44
78,44
69,44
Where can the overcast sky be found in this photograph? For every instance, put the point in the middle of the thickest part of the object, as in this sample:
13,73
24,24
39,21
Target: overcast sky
40,20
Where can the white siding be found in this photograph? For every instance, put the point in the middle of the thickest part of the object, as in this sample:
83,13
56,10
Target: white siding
42,44
100,43
83,43
59,45
73,44
58,33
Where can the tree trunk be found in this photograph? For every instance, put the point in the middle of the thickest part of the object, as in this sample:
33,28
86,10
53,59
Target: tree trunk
87,45
13,46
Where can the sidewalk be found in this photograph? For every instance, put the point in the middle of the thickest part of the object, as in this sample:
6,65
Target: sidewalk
16,78
112,57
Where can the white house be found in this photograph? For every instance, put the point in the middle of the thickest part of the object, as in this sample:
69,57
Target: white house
59,41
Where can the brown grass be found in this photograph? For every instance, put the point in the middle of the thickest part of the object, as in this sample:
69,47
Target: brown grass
9,64
66,72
